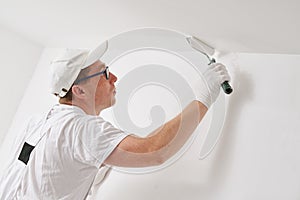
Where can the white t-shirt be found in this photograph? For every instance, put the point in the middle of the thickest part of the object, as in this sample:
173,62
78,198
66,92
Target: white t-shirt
65,162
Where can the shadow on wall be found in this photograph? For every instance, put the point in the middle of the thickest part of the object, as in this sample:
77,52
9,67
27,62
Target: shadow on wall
243,93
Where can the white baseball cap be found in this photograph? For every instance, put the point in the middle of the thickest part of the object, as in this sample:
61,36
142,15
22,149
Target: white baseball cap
67,67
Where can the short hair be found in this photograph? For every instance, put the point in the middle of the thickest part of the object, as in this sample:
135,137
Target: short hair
68,97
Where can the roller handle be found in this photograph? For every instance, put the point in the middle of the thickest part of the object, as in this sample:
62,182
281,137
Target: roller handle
225,85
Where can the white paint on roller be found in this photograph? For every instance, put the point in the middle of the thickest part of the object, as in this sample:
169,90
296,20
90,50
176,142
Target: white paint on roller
200,46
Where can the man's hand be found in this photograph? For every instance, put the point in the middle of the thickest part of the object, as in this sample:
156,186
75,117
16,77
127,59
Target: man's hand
214,76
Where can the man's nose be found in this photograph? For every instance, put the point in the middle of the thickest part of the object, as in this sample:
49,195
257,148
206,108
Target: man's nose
113,78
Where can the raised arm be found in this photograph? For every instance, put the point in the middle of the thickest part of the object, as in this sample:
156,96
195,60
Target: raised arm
163,143
155,149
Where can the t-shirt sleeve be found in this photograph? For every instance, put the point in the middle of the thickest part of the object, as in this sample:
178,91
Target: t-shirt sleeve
95,140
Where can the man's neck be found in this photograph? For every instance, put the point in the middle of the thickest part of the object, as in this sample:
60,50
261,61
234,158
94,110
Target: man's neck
89,110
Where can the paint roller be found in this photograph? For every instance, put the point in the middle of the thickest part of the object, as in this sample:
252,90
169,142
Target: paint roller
207,51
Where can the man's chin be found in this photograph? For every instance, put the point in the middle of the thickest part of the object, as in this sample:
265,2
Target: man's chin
113,101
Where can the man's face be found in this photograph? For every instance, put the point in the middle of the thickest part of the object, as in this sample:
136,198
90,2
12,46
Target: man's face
99,88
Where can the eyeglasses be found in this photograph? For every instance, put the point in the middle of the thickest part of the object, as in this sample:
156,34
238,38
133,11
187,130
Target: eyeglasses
105,72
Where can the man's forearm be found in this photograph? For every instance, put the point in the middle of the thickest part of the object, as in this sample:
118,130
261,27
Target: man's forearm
160,145
179,129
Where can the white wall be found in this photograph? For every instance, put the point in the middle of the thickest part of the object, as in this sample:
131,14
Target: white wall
19,57
256,158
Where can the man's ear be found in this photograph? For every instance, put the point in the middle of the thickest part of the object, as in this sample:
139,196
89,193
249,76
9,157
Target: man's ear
78,91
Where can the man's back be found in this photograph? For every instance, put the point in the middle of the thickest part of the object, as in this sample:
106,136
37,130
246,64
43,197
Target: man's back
66,160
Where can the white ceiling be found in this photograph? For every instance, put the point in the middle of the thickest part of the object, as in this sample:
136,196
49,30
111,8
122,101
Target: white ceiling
254,26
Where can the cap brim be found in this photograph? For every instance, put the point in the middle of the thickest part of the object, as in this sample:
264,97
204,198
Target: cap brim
96,54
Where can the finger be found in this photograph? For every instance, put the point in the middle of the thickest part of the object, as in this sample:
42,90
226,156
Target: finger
225,77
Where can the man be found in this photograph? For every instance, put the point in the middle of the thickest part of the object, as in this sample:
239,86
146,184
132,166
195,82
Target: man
62,153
